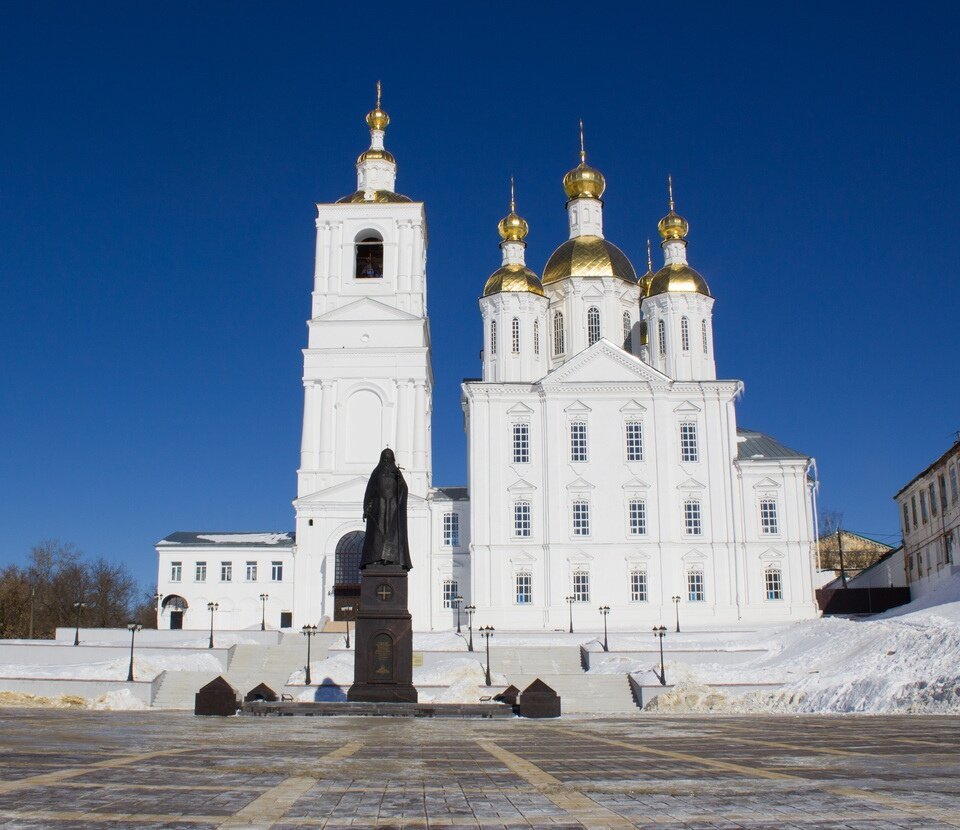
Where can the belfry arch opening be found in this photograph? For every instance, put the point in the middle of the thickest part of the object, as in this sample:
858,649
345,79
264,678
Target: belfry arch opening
369,256
346,580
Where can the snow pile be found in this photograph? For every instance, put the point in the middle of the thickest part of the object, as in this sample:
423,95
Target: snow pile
145,668
26,699
121,700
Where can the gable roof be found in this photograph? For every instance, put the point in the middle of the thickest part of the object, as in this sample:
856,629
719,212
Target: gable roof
211,538
760,447
604,361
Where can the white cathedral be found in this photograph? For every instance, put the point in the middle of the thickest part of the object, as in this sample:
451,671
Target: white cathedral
605,465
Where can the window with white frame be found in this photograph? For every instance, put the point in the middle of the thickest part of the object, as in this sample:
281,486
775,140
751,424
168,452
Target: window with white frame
451,530
536,337
773,583
521,519
627,329
703,334
638,517
769,522
449,592
558,332
581,518
581,586
634,441
662,338
923,506
524,584
251,571
200,574
638,586
276,571
226,571
521,443
578,440
685,334
954,486
515,335
176,571
688,441
493,337
695,590
593,325
692,521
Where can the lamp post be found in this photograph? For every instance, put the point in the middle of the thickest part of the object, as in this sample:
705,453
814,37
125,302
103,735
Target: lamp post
661,631
605,610
133,628
211,607
263,611
309,632
470,609
347,610
78,606
486,631
456,601
570,601
676,603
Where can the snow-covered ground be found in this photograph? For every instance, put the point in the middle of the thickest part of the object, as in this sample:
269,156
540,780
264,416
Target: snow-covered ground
145,667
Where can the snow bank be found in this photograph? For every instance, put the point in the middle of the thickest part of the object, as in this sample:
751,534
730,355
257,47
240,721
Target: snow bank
145,668
121,700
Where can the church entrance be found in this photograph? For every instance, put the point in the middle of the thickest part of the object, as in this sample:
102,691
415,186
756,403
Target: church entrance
175,605
346,583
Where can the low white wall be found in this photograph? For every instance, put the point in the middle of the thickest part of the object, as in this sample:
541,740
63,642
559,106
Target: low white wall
47,687
595,659
152,636
53,653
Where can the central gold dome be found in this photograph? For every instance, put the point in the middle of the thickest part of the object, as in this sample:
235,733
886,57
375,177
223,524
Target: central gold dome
513,228
513,277
584,181
376,155
588,256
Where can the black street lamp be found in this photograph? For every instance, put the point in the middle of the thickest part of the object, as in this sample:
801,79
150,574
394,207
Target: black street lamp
486,631
456,601
133,628
676,602
605,610
661,631
570,600
78,606
470,609
263,611
309,631
347,609
211,607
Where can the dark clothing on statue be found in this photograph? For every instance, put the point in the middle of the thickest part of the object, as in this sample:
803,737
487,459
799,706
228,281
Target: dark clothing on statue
385,512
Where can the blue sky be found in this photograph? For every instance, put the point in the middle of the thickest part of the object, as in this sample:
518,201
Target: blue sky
158,169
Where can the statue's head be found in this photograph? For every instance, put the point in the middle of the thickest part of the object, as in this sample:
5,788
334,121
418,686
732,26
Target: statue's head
386,457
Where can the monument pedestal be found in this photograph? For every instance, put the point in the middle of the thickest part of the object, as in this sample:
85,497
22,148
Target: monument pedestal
383,663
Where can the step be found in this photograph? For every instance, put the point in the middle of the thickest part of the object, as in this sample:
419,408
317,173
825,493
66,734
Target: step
585,693
554,660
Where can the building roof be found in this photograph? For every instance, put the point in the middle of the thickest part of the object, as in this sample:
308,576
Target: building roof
451,493
758,446
245,539
955,447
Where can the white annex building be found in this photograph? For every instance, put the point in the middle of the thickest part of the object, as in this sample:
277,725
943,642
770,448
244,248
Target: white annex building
605,464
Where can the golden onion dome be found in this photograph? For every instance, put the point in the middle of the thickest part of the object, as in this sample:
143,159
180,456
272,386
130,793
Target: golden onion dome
677,277
584,181
673,226
379,196
513,277
377,119
513,228
588,256
647,278
376,155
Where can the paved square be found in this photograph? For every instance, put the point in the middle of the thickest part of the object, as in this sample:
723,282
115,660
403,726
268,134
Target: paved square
66,769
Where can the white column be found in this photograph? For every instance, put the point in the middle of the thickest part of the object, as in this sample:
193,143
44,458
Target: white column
403,441
323,256
404,256
420,426
308,445
326,425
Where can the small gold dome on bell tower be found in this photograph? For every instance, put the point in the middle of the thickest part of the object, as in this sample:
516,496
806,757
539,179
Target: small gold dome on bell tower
513,228
584,181
672,226
377,119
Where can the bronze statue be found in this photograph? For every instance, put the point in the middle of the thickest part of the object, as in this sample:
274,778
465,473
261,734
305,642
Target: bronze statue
385,512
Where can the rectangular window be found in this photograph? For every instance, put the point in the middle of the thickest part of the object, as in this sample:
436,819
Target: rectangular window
906,519
773,583
226,571
176,571
515,335
695,586
638,586
933,499
524,589
769,524
949,546
688,441
634,441
451,530
286,619
581,518
449,592
913,510
578,441
251,571
943,493
954,485
521,518
923,506
638,517
692,523
276,571
201,572
521,443
581,586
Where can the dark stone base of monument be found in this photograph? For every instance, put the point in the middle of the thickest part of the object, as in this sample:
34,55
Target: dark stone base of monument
508,695
383,662
217,698
261,692
538,700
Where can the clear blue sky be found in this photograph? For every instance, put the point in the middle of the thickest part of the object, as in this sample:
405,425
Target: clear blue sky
158,169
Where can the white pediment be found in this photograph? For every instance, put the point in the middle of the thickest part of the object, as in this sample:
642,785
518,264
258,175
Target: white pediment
694,557
577,408
605,362
519,409
637,558
580,484
771,555
522,558
687,408
691,484
633,408
521,486
346,492
580,557
635,484
366,309
767,484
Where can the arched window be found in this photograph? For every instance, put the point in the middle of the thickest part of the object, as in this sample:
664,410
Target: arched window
685,334
773,582
593,325
515,335
369,264
558,332
536,337
662,338
703,334
627,326
493,337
